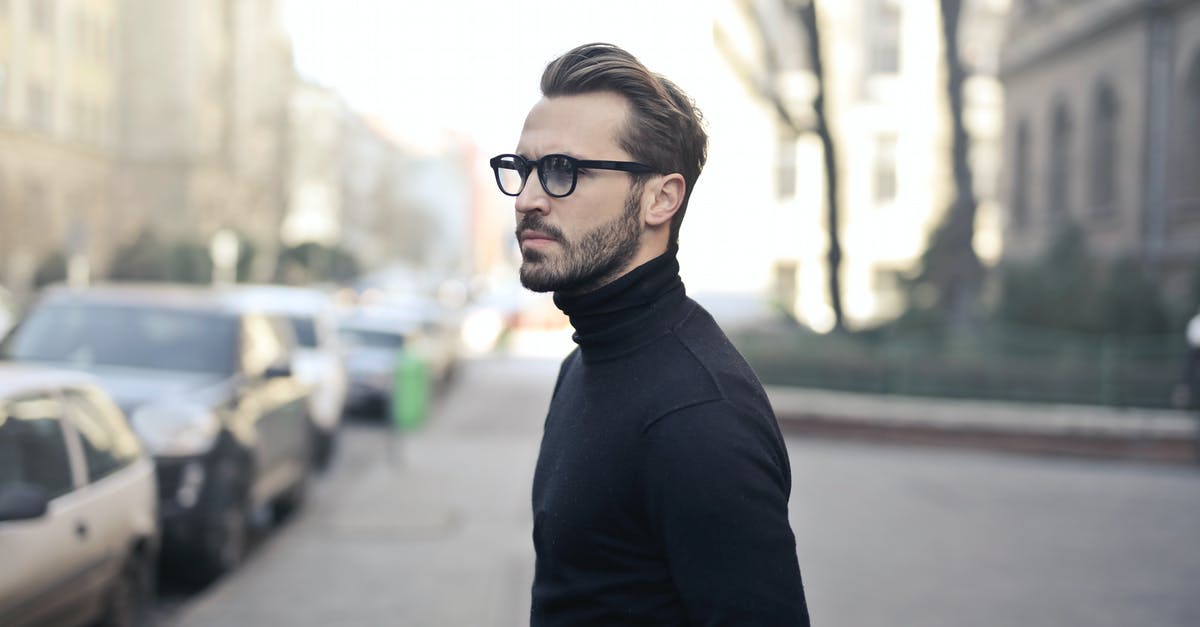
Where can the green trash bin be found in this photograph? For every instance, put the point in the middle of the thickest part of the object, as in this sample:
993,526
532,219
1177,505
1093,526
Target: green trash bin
410,390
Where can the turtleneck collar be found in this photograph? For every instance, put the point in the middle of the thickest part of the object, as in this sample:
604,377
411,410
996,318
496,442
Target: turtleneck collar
627,313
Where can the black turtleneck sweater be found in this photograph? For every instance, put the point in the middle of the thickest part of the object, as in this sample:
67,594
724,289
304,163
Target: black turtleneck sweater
661,490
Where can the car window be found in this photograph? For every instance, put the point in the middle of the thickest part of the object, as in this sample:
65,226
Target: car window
262,345
372,339
108,443
88,334
305,330
32,447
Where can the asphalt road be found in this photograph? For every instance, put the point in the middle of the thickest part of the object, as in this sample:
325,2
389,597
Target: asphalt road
434,529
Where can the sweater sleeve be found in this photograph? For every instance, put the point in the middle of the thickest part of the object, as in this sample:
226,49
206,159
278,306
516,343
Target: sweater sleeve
717,486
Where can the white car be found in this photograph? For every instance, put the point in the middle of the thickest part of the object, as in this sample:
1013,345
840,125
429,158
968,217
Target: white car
373,345
318,358
8,311
79,531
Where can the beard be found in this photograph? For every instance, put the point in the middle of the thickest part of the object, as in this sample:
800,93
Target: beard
593,261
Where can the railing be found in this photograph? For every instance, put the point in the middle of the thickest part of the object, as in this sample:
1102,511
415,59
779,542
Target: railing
995,362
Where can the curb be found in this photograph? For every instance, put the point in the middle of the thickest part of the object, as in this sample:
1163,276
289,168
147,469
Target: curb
1168,436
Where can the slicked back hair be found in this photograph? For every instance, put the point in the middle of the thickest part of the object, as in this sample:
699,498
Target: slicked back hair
664,129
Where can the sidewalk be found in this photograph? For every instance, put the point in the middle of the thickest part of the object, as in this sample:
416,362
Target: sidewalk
428,529
1092,431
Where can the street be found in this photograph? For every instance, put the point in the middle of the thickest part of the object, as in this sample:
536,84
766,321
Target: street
433,529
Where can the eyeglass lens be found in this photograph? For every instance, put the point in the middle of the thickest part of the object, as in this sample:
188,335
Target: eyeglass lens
557,174
511,174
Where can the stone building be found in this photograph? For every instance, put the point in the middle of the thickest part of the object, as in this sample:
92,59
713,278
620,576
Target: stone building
1102,129
58,109
205,87
888,112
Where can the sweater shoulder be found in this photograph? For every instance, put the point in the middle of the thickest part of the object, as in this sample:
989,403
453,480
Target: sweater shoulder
705,367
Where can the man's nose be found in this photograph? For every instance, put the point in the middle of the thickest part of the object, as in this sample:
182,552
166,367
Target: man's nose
533,197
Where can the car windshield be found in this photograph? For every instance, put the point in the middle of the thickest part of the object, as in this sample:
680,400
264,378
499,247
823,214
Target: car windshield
306,331
121,335
372,339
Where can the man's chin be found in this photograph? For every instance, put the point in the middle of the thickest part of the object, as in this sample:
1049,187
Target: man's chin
537,282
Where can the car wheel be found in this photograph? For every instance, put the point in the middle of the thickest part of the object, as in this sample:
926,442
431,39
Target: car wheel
293,500
225,541
325,444
132,594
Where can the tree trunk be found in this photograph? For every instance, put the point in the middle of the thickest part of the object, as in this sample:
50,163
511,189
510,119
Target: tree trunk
807,12
962,280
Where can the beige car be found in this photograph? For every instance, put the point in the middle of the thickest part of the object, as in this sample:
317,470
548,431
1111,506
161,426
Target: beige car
78,509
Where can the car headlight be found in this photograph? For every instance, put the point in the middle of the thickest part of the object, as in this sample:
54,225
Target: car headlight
176,430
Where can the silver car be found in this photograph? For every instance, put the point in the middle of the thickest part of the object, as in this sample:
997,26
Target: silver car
207,383
79,530
8,311
318,357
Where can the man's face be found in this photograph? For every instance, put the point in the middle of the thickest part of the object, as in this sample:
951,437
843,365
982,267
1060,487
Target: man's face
580,242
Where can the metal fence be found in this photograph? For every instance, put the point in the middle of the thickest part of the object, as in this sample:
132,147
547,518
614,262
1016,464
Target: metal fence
994,362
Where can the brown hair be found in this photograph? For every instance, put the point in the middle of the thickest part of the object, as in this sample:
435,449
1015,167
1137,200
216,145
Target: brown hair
664,129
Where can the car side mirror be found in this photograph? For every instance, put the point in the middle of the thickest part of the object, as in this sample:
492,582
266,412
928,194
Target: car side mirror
279,370
22,501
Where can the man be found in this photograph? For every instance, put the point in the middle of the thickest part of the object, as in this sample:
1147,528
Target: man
661,489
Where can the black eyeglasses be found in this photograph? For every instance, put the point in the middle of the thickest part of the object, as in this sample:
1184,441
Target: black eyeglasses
558,173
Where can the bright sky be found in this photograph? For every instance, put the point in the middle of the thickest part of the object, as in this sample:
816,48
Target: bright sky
473,65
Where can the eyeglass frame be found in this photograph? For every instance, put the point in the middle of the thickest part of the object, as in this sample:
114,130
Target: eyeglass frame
576,164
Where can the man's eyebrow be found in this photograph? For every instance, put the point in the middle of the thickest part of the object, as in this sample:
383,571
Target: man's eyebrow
569,153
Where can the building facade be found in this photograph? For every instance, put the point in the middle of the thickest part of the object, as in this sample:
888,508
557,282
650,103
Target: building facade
888,112
1102,130
59,68
205,88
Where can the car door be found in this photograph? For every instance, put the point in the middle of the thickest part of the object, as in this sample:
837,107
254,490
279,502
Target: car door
50,564
277,406
119,495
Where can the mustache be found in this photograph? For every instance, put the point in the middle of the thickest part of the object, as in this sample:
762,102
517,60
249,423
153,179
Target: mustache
534,222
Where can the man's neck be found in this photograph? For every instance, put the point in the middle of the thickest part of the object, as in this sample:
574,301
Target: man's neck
645,253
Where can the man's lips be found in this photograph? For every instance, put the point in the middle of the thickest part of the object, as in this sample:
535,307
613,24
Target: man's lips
536,237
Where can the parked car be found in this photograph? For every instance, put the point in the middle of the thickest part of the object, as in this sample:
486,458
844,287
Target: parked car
208,385
318,356
372,347
8,311
440,330
78,512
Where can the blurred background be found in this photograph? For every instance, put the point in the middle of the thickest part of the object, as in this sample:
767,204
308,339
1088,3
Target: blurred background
954,200
1019,173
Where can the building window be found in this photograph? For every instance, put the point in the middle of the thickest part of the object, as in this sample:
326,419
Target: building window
1059,169
79,121
884,174
43,15
785,184
1104,152
883,36
4,211
35,208
3,88
1020,190
1187,182
83,34
39,108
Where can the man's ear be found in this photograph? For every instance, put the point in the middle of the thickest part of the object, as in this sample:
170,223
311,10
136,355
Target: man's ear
666,196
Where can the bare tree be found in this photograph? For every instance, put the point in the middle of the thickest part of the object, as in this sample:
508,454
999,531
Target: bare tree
950,264
805,13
